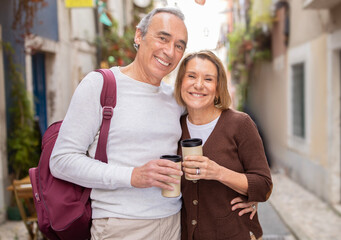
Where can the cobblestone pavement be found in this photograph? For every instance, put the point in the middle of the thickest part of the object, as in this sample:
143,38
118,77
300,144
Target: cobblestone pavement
13,230
303,214
273,226
306,216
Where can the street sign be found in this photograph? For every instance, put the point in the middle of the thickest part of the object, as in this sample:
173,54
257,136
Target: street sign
79,3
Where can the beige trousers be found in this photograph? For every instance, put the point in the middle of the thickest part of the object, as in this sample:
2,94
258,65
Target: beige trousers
131,229
253,237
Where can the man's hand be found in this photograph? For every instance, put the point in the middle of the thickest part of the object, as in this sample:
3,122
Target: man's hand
156,174
251,207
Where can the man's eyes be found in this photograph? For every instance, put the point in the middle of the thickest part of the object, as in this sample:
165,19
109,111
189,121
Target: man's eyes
180,47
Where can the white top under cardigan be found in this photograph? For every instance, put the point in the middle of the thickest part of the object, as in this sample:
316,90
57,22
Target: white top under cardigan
201,131
145,125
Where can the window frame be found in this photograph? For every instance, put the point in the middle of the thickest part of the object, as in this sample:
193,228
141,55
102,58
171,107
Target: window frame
300,133
299,55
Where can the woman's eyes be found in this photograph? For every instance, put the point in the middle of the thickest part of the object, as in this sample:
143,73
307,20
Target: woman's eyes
193,76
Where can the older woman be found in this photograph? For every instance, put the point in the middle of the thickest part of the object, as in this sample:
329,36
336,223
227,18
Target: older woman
234,162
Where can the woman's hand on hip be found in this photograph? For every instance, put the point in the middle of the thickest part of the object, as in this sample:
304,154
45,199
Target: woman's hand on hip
246,207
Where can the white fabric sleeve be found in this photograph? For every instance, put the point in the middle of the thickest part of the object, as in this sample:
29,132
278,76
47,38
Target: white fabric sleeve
69,160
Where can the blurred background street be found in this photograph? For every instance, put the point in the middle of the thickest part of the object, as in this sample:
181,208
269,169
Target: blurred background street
283,59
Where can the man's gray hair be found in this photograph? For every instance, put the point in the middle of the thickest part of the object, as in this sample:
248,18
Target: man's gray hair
145,21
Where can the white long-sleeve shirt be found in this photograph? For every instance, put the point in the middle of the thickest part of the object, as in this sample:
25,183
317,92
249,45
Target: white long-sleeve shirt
145,125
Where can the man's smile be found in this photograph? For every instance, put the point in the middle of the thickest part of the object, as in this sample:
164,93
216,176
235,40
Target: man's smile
166,64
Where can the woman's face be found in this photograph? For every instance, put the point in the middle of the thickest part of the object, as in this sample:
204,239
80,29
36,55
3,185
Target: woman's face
199,84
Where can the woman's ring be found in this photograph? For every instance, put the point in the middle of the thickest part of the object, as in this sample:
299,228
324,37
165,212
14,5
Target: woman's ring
198,171
253,206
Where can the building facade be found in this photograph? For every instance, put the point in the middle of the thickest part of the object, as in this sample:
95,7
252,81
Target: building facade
295,98
59,51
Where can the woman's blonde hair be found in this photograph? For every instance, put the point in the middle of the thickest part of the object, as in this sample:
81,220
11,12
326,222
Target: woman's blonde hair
224,99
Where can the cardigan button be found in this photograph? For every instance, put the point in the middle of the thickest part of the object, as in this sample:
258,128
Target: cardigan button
195,202
194,222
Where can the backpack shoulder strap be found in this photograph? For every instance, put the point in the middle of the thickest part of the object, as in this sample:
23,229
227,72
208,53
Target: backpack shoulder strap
108,102
108,95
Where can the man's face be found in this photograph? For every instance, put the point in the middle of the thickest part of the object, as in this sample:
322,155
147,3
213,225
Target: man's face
162,47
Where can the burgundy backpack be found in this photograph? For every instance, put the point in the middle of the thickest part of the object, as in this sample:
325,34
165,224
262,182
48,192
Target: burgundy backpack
64,208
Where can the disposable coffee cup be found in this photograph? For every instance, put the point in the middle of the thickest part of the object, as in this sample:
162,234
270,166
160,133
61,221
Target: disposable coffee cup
176,187
191,147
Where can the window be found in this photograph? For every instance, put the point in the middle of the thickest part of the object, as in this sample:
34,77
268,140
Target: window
300,90
298,103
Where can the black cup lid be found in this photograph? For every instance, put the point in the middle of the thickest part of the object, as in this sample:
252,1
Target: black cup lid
173,158
191,142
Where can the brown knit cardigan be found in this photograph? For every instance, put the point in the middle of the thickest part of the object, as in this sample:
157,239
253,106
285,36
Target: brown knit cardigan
206,213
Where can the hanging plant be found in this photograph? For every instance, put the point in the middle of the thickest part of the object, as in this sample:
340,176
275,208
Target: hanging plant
24,12
23,136
249,44
116,50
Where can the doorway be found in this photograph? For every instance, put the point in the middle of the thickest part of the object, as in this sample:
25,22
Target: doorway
39,90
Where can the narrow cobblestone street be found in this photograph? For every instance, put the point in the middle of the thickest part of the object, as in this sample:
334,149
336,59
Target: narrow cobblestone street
306,216
273,226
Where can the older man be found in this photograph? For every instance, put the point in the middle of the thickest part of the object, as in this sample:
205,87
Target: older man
126,193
